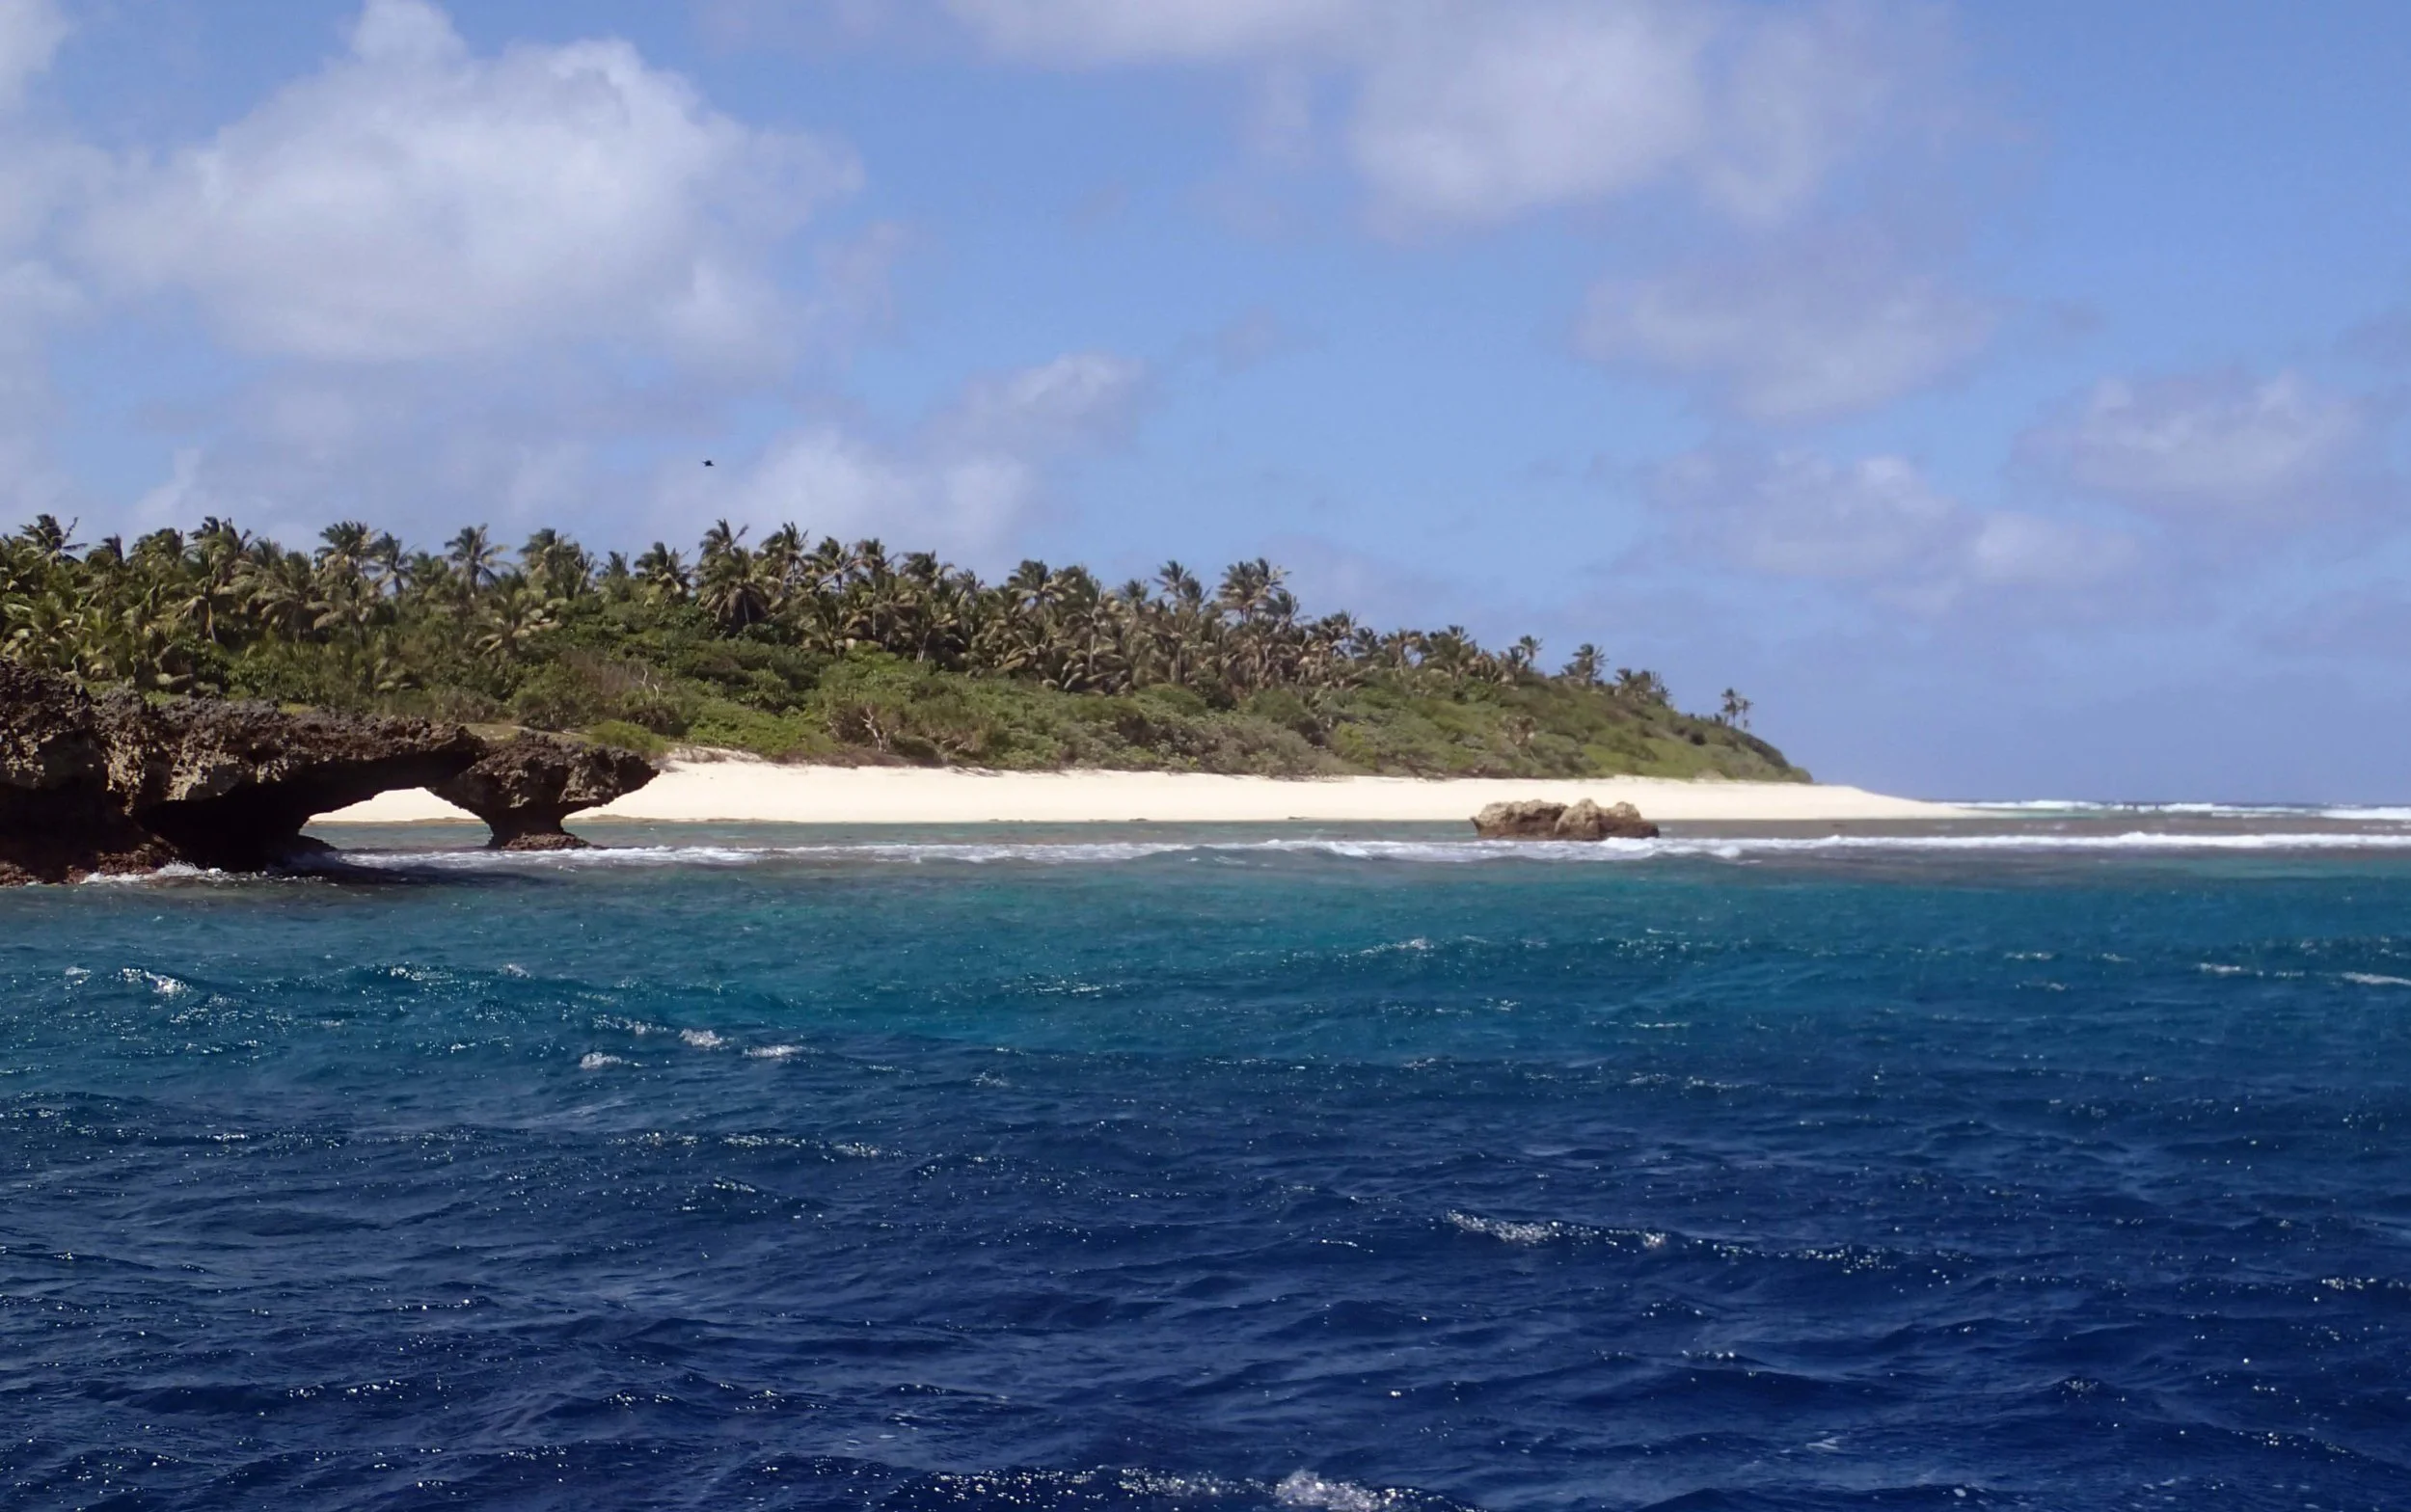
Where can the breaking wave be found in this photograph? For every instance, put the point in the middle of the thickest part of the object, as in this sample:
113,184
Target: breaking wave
2350,813
1723,848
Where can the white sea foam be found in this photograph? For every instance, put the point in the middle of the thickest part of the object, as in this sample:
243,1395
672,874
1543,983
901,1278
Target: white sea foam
173,872
596,1060
1507,1230
2371,979
1304,1488
1725,848
775,1052
2362,813
701,1038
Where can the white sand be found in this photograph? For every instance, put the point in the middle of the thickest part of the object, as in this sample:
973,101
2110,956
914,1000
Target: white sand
741,790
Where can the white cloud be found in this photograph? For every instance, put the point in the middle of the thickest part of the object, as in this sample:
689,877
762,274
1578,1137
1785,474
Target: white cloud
1878,522
36,170
1476,110
1804,89
2218,445
32,300
33,295
1160,31
30,33
1794,515
1817,333
414,201
1533,108
1072,401
975,473
2012,549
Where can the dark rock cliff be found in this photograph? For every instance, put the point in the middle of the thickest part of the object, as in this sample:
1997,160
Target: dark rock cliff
523,787
231,785
60,815
118,784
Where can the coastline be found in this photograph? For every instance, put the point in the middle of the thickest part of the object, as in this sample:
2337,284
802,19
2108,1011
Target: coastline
730,789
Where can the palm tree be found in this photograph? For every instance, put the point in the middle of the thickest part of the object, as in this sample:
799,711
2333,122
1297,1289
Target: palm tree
783,552
276,590
1450,652
357,620
664,573
475,557
735,586
50,539
349,546
1583,668
1644,687
516,613
563,567
388,564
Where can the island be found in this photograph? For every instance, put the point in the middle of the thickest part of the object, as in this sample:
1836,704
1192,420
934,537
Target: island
797,651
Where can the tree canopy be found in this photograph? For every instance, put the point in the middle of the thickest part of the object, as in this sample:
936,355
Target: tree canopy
791,647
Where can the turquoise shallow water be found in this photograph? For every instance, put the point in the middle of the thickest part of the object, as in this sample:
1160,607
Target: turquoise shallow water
1158,1169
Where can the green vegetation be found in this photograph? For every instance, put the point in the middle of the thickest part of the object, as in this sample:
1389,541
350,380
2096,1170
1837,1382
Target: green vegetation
834,652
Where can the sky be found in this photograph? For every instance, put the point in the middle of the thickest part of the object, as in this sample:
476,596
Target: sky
2010,400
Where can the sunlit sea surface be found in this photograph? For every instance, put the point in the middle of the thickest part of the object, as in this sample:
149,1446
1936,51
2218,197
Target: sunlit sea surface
2055,1159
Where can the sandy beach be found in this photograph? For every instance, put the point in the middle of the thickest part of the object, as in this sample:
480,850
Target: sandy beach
739,789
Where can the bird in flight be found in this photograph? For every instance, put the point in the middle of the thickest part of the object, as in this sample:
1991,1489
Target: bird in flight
706,461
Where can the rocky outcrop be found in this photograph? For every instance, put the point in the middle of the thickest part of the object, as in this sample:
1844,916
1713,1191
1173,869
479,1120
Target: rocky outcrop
231,785
525,786
60,816
116,784
119,784
1585,820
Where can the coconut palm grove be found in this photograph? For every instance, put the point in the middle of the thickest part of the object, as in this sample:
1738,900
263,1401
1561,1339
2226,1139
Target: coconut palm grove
828,652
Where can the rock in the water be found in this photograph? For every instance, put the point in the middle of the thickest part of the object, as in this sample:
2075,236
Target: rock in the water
1535,818
1587,820
58,818
1529,819
231,785
119,784
525,786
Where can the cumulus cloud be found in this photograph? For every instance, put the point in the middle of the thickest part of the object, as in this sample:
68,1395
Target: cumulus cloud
2220,444
30,33
972,475
1476,110
1877,521
1820,332
33,299
1073,401
1531,109
1164,31
414,201
36,170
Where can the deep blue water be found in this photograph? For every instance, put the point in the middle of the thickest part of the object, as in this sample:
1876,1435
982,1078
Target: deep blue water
1217,1179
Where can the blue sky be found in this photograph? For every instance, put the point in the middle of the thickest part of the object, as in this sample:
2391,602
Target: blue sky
2009,398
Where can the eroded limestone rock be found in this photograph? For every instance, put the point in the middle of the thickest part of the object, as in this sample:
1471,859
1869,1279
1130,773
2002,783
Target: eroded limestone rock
231,785
60,819
118,784
1535,818
525,786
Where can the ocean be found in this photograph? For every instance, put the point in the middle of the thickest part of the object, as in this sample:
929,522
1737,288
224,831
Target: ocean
1994,1166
